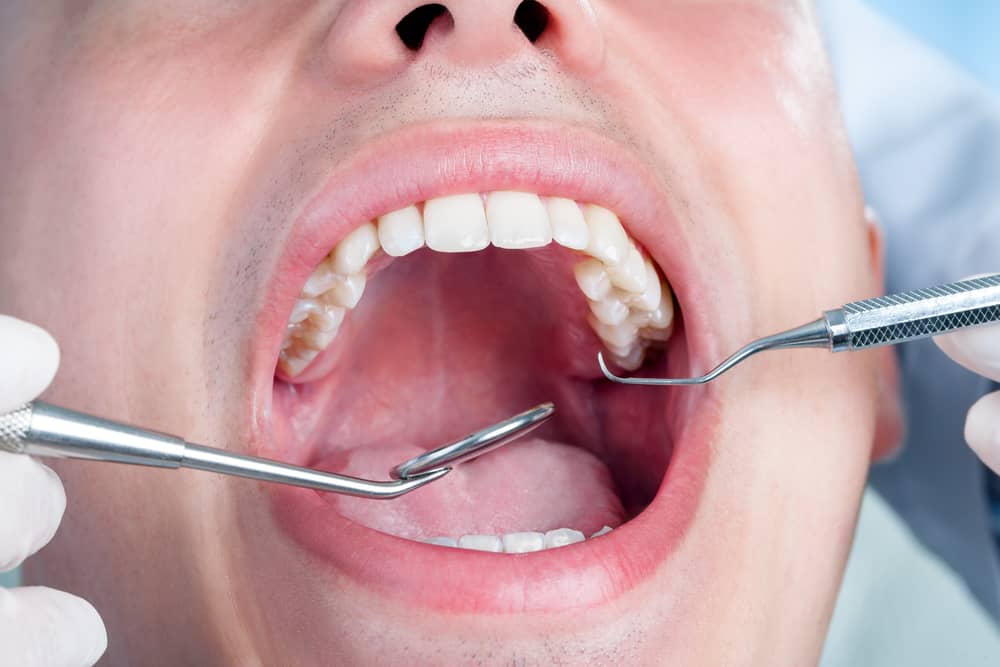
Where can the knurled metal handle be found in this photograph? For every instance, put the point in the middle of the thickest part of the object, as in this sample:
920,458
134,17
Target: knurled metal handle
14,427
896,318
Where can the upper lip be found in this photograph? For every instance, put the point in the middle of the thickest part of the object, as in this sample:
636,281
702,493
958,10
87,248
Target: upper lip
434,160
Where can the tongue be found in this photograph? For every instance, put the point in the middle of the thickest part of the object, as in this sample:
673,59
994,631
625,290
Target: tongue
530,485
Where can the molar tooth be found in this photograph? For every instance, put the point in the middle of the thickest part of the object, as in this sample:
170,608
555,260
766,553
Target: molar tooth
328,318
569,228
442,541
316,339
481,543
592,278
631,275
295,364
632,359
517,220
602,531
521,543
608,241
620,335
353,252
456,224
346,291
401,232
302,309
610,310
561,537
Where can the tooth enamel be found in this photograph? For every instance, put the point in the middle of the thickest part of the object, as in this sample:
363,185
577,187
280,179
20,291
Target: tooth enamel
650,298
347,291
522,543
569,228
327,318
621,335
610,311
456,224
401,232
592,278
562,537
630,275
322,279
608,241
481,543
517,220
353,252
631,305
302,309
443,541
602,531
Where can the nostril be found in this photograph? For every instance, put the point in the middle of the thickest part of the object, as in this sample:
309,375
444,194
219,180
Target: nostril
414,26
532,18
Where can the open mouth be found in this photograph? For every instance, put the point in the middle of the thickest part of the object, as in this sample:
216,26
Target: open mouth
466,303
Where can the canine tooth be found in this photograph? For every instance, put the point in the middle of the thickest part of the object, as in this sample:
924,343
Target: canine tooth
650,298
328,318
602,531
302,309
517,220
456,224
620,335
321,279
569,228
609,310
630,275
401,232
443,541
607,239
347,291
562,537
592,278
353,252
481,543
521,543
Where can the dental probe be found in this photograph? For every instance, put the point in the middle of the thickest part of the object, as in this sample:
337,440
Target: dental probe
884,320
40,429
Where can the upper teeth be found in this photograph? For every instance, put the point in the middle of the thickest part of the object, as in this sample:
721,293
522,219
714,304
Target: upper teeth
631,305
517,543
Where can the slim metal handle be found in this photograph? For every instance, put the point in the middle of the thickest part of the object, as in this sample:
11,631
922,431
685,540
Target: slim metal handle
40,429
896,318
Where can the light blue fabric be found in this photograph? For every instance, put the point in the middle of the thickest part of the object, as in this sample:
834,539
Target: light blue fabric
900,605
964,29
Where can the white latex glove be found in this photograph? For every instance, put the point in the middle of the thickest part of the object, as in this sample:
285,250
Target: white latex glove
38,626
978,349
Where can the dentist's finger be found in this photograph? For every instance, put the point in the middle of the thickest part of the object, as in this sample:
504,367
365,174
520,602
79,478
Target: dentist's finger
982,430
32,501
29,358
43,627
978,349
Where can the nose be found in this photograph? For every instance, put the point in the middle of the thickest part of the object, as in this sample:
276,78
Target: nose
373,39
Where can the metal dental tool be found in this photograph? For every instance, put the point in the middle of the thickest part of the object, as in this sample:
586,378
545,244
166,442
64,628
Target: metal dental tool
884,320
39,429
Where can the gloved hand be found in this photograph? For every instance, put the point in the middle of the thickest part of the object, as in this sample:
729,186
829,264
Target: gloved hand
38,626
978,349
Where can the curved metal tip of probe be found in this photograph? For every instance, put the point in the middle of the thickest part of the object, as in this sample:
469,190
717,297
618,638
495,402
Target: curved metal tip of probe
400,487
654,382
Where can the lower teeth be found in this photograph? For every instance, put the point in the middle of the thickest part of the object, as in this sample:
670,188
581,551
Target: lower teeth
517,543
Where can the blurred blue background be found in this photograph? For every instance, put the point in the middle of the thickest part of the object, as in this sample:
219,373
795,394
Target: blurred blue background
967,30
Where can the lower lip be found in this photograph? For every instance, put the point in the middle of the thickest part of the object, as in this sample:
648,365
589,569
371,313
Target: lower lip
460,581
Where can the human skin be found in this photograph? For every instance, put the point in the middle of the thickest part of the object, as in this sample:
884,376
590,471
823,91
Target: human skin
158,158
